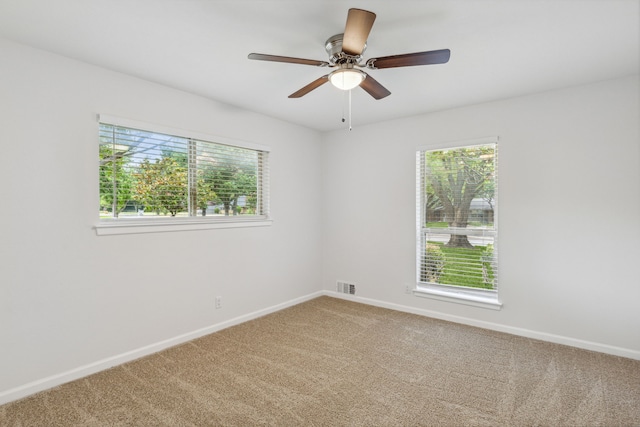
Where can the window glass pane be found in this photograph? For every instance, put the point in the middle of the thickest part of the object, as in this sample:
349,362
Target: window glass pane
458,213
473,266
142,173
227,179
148,174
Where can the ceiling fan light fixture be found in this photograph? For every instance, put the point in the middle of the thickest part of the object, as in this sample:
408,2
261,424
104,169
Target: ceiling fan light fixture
346,78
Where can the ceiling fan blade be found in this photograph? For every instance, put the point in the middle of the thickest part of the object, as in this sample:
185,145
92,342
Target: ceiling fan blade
311,86
356,31
373,88
288,59
409,59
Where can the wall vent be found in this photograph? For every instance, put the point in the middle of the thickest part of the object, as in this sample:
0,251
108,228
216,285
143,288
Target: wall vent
346,287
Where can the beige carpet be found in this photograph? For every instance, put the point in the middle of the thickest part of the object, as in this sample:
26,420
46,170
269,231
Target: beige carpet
330,362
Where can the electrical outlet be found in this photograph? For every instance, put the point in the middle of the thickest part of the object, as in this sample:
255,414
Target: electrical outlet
407,289
218,302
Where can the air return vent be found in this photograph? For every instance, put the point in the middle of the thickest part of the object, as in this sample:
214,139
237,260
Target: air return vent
346,287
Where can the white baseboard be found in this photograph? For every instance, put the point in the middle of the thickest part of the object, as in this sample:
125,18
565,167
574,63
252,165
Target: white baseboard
528,333
101,365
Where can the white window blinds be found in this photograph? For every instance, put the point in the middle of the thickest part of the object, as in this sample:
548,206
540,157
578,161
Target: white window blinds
146,174
457,217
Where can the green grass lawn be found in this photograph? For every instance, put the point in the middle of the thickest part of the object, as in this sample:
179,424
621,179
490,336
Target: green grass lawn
437,225
446,224
463,267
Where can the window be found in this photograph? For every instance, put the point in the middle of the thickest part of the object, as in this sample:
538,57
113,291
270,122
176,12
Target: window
457,204
152,177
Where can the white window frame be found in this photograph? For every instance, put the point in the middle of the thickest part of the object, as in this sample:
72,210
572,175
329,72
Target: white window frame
483,298
114,226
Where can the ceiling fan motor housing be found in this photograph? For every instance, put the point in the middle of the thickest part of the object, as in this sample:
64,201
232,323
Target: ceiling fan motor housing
333,46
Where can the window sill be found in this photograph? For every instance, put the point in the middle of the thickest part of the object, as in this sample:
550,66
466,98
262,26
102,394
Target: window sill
460,296
113,227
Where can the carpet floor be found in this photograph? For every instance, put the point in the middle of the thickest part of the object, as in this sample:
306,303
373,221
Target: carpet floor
331,362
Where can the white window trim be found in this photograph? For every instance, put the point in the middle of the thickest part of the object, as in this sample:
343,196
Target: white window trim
138,226
113,226
482,298
486,299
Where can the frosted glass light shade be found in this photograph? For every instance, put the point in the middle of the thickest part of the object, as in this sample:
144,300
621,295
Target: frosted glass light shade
346,78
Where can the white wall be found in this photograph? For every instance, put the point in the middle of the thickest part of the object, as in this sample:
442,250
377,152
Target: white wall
569,229
72,302
69,298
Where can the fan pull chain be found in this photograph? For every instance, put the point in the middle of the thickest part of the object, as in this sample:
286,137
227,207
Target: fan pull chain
343,119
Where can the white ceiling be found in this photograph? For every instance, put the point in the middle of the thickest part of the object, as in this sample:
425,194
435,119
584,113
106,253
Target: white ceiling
499,49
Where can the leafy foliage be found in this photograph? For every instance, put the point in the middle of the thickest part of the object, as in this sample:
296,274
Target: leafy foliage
432,264
470,267
454,178
113,171
231,179
204,193
487,259
161,186
167,174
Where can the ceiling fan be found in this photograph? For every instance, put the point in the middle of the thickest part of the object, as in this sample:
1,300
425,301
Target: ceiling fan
345,55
